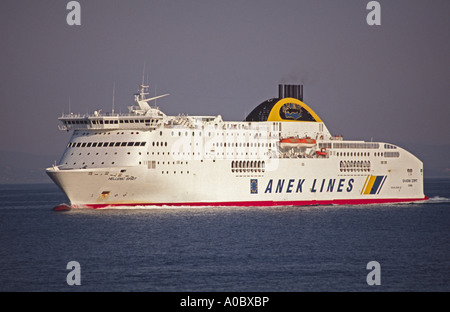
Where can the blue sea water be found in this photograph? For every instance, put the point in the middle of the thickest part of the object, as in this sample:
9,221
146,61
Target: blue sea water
258,249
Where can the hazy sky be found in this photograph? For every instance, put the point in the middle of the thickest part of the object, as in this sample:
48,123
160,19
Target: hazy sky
389,82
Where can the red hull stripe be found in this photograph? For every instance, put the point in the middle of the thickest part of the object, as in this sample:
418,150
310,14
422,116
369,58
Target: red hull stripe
268,203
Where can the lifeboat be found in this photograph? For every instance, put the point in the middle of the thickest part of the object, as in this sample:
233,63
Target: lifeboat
322,152
296,142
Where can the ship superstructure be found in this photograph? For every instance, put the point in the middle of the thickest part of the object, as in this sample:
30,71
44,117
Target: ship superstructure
281,154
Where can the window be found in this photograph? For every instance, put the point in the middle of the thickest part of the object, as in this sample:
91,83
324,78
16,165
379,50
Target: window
391,154
356,145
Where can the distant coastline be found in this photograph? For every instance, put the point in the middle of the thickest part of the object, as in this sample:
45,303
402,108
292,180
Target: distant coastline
24,168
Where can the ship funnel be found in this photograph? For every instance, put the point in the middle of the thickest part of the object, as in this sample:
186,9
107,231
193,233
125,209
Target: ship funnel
293,91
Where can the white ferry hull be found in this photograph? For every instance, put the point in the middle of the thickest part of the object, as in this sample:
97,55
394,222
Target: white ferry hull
294,182
146,158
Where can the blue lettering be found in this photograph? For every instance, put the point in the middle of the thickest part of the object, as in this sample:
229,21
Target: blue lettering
313,188
350,185
341,185
290,185
299,189
279,186
299,185
321,187
331,185
269,187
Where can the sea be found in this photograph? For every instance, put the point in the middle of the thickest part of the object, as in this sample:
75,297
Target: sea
361,248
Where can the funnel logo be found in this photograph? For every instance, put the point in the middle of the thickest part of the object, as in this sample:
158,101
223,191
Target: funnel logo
291,111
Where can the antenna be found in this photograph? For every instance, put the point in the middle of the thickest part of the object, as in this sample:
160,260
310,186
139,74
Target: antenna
143,73
143,87
70,111
114,91
155,98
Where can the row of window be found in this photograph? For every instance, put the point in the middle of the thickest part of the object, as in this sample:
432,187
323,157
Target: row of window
324,145
167,172
84,164
391,154
109,122
221,144
355,166
105,144
100,133
106,153
366,154
186,133
357,154
248,166
152,163
357,145
159,143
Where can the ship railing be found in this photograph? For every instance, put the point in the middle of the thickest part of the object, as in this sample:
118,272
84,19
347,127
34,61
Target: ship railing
301,155
337,138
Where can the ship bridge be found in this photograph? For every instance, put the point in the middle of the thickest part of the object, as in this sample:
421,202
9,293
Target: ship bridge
141,116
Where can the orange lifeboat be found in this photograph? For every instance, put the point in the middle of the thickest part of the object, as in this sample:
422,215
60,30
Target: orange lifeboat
322,152
296,142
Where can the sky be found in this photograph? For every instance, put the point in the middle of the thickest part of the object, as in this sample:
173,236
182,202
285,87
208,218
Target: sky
388,82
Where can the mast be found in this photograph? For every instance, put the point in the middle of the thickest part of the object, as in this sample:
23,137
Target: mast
143,87
114,91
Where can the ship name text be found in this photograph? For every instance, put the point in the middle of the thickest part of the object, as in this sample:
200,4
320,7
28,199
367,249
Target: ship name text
317,185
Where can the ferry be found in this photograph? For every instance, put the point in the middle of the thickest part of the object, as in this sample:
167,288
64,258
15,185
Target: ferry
282,154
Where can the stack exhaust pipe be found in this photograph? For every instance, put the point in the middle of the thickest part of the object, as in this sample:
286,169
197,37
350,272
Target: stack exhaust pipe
293,91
